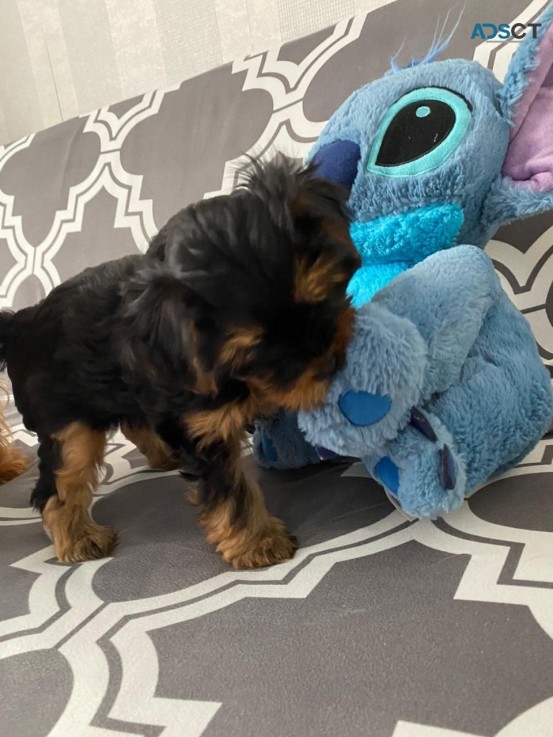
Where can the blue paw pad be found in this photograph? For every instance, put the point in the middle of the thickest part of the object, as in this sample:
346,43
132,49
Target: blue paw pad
364,408
388,473
325,454
448,477
421,423
267,448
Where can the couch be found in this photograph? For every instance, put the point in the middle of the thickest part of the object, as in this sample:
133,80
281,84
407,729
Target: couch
379,626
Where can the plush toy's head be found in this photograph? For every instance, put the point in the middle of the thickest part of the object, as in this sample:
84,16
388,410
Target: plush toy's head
442,148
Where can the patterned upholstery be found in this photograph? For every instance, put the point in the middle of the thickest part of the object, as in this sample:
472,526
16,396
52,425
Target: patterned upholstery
379,626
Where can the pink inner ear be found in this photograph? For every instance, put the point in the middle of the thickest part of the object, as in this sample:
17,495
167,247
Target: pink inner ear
529,160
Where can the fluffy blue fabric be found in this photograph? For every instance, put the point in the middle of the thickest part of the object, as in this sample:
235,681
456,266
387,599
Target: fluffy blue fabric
463,177
422,151
444,349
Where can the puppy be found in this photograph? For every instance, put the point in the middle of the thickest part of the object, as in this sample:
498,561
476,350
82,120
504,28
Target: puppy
238,309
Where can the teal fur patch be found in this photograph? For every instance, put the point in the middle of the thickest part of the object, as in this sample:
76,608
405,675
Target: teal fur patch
370,279
391,244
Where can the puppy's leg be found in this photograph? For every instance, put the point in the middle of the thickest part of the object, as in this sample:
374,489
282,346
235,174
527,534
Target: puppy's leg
148,442
69,466
234,515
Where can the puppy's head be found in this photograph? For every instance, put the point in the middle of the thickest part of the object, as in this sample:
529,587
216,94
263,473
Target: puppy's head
253,286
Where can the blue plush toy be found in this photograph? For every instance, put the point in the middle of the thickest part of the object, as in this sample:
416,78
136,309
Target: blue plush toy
443,386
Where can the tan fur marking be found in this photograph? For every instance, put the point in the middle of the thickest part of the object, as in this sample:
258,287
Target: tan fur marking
256,539
314,281
149,443
224,423
264,540
75,535
238,345
307,392
12,461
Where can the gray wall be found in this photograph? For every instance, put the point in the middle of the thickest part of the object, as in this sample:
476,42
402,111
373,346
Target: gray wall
61,58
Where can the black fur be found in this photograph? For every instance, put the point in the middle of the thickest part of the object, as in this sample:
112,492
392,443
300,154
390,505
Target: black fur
123,342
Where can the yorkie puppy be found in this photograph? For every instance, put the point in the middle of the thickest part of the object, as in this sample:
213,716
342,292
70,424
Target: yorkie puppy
238,309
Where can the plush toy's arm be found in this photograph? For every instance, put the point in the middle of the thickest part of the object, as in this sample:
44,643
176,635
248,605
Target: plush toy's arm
371,397
409,343
446,297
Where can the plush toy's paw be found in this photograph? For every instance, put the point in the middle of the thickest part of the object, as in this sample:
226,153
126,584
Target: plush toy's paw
421,470
363,408
279,443
370,399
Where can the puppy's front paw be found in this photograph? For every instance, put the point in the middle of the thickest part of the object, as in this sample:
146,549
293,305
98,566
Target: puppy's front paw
273,545
248,545
94,542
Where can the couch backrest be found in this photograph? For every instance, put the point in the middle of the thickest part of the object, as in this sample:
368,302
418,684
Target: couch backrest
99,186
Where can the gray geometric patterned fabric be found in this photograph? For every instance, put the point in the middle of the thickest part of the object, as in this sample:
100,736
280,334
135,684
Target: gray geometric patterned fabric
379,627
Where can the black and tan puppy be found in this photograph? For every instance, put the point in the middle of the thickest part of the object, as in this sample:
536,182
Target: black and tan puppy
238,309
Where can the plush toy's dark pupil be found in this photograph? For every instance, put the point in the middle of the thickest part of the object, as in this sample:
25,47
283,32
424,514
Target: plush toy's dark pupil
415,130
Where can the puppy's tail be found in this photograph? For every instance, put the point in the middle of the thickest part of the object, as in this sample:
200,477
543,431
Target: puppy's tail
12,461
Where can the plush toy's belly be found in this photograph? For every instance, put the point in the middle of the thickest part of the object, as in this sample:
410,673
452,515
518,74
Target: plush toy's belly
393,243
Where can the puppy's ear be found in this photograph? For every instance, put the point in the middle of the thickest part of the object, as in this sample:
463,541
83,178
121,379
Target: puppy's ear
290,188
319,197
328,259
313,212
160,337
318,207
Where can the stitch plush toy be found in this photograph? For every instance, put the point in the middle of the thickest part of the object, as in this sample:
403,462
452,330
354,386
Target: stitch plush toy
443,385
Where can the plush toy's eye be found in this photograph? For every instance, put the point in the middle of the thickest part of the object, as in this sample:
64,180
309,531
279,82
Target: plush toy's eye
419,132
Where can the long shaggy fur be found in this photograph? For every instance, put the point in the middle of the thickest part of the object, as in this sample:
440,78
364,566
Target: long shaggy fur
238,309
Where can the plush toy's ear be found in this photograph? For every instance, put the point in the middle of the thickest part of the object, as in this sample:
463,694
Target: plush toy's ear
526,103
338,162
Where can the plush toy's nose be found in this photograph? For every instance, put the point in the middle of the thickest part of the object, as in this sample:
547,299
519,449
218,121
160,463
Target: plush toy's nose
338,161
